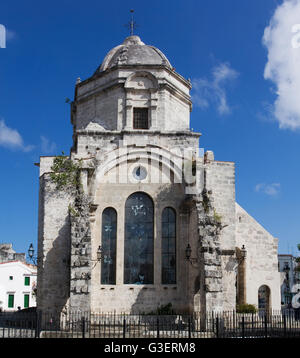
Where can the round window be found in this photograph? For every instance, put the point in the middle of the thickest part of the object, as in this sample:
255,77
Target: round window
139,173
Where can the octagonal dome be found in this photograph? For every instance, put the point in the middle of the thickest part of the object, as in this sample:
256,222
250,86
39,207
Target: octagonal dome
133,52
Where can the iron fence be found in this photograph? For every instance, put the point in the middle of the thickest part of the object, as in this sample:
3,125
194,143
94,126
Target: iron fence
231,324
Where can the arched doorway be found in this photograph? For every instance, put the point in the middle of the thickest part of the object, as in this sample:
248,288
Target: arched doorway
264,294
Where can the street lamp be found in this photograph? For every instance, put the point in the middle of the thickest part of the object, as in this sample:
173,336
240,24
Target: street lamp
242,254
188,253
31,254
99,254
34,258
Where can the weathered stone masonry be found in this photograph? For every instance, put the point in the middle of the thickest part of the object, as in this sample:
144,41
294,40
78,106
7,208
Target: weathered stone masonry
137,76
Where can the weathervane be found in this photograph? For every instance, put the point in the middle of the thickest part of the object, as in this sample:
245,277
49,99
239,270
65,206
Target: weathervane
132,24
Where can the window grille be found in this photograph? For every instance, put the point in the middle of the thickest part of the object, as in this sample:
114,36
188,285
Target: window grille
140,118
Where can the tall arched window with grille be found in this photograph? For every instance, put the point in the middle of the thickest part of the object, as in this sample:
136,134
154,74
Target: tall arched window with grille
139,239
168,249
109,244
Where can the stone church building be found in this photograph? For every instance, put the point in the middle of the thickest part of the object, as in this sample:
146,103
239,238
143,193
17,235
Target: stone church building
156,221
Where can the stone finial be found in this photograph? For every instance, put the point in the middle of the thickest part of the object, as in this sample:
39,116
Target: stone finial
78,80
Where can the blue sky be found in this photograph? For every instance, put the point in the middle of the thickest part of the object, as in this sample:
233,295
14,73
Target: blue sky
244,93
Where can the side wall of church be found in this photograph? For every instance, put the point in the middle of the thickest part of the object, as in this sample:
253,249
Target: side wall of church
220,182
53,279
261,260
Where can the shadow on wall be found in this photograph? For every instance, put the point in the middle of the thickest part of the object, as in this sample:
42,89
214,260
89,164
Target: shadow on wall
56,272
149,300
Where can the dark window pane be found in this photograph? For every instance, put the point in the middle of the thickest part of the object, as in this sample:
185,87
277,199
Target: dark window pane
138,266
169,246
27,281
109,240
26,301
11,301
140,118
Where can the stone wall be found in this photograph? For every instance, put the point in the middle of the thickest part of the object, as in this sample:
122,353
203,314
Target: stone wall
261,261
8,254
219,185
53,280
104,104
207,216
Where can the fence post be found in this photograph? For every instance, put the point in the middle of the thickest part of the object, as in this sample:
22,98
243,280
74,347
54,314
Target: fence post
243,326
266,325
37,323
83,326
189,327
157,327
284,325
217,327
124,328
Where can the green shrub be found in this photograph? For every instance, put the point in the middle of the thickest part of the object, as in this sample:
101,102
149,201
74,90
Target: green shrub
246,308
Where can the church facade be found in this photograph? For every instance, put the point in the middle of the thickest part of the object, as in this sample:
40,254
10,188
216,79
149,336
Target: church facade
156,222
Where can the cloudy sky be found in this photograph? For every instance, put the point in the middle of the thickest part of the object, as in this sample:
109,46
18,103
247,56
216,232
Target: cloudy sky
242,58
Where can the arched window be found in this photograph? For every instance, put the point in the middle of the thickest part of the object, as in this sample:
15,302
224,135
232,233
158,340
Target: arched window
109,243
139,245
169,246
264,293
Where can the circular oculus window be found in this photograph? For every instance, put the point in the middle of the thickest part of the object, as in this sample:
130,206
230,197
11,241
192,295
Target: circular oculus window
140,173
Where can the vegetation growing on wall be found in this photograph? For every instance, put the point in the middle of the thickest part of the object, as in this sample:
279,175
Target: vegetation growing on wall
66,174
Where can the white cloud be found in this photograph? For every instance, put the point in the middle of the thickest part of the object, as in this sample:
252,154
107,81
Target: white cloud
282,40
213,92
47,146
10,138
268,189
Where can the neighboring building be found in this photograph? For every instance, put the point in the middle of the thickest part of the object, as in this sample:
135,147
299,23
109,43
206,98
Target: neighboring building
17,285
8,254
290,276
165,217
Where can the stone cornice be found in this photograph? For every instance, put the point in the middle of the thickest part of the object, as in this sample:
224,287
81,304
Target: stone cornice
137,132
139,67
